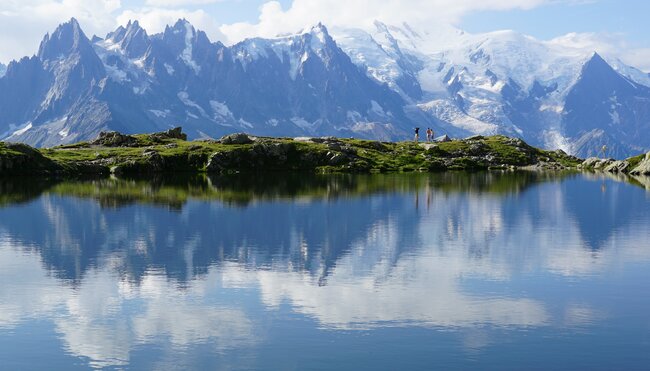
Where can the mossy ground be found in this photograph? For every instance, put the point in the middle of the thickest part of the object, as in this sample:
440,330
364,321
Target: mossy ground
359,155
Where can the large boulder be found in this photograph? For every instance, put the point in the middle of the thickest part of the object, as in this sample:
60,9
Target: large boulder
175,133
643,168
597,163
114,139
617,167
237,138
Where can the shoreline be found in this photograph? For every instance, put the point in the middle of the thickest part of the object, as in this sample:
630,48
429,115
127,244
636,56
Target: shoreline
169,152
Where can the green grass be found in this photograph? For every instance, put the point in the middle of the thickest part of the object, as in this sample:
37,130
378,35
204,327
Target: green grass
361,155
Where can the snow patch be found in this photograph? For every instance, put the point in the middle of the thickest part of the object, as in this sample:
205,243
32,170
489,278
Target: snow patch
551,108
159,113
613,114
116,74
555,140
245,124
377,108
353,116
220,109
170,69
22,130
185,98
447,111
301,123
186,55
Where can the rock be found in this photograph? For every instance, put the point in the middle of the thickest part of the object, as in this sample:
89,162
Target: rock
377,146
428,146
237,138
475,137
590,162
597,163
336,159
272,154
643,168
23,159
603,163
349,150
23,148
154,160
114,139
334,146
477,149
175,133
442,139
617,167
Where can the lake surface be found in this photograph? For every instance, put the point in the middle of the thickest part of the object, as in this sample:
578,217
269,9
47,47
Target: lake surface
275,272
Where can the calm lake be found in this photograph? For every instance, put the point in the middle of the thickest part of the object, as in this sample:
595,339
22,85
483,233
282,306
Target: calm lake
276,272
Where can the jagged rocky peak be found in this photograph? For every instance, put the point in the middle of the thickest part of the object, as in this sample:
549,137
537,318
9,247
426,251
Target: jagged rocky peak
598,75
595,61
66,39
178,34
132,39
596,67
319,37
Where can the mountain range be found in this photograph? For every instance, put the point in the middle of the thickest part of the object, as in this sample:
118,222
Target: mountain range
375,83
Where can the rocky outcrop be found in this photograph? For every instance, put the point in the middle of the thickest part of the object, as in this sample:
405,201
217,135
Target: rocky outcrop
18,158
175,133
632,165
617,167
168,152
237,138
114,139
643,168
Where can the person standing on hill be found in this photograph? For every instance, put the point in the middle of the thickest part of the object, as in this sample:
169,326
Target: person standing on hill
417,134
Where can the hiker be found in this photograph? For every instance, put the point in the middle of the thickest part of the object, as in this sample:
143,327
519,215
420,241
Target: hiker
417,134
433,135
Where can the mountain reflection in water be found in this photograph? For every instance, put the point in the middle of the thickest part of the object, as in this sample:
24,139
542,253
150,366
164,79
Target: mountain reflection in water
122,270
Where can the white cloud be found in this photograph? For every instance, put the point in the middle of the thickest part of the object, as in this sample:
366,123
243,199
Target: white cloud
177,3
274,20
154,20
609,45
23,23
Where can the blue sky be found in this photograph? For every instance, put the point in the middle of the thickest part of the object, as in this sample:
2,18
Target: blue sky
619,27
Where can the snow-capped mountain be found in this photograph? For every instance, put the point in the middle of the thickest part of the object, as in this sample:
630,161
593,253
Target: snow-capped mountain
134,82
506,82
376,83
3,69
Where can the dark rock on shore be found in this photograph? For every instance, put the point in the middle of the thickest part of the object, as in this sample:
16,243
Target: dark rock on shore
18,158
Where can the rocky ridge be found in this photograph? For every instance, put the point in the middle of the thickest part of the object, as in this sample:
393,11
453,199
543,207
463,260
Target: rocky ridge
639,165
168,152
